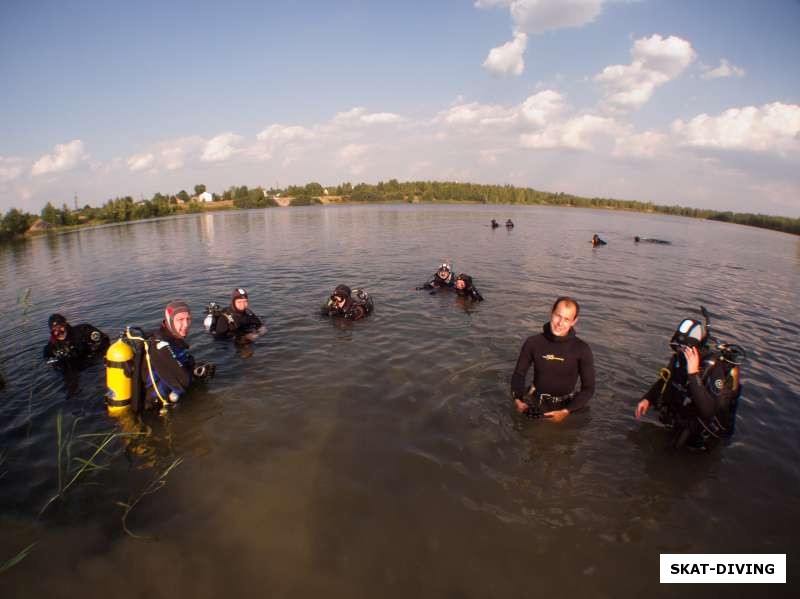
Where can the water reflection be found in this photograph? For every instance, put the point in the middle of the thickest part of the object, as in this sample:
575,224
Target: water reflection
332,456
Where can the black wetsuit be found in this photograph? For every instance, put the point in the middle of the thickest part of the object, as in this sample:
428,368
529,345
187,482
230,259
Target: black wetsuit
82,344
701,407
469,291
437,282
652,240
557,364
172,366
236,323
597,241
352,309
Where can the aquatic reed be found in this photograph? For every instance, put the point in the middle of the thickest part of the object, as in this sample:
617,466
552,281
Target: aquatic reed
153,486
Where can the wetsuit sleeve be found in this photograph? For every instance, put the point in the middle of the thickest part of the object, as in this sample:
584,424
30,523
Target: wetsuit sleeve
587,374
524,362
47,352
476,295
222,325
168,369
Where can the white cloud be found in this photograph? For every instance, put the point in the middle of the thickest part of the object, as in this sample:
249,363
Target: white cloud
474,113
285,133
10,168
648,144
656,60
770,128
582,132
64,157
221,147
542,108
352,157
359,115
532,17
139,162
507,59
725,69
537,16
377,118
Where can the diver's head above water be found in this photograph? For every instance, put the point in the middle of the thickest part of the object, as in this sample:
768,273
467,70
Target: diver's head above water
178,318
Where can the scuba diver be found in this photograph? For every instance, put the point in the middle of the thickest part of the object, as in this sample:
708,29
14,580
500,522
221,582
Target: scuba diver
637,239
236,321
442,278
466,288
698,392
73,347
558,358
597,241
342,303
495,224
509,224
171,369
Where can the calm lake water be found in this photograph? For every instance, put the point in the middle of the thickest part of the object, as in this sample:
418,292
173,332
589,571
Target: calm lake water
383,457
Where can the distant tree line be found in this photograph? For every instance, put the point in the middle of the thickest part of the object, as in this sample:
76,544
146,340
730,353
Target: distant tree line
15,222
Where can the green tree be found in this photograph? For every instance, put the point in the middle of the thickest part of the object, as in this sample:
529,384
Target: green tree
51,214
198,189
182,195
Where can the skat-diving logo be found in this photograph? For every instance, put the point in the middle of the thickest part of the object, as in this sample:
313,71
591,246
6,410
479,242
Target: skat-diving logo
552,357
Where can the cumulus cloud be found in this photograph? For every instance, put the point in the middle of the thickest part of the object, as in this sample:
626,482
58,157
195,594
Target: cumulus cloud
542,108
474,113
359,115
531,17
656,60
140,162
581,132
648,144
221,147
507,59
64,157
352,156
769,128
285,133
725,69
10,168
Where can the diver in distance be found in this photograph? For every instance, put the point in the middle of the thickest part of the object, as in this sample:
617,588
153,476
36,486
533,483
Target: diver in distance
236,320
465,287
596,241
558,358
509,224
350,304
443,278
697,393
495,224
638,239
73,347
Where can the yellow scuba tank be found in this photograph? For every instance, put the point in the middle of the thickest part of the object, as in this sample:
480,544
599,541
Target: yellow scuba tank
119,376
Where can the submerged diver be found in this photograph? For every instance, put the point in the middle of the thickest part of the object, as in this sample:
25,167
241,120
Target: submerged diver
342,303
509,224
73,347
442,278
466,288
558,357
597,241
495,224
698,392
236,321
171,368
637,239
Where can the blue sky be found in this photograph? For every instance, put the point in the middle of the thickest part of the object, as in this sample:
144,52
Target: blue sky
694,103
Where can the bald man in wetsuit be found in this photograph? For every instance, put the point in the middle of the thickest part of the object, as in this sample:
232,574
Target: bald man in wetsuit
558,358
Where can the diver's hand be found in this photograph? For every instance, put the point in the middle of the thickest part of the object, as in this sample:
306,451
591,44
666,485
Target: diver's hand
521,406
205,371
641,408
557,415
692,360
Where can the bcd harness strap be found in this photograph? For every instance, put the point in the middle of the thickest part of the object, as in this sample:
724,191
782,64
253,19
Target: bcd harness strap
149,365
